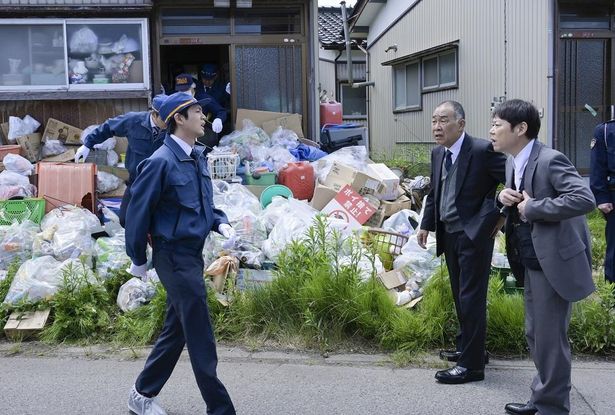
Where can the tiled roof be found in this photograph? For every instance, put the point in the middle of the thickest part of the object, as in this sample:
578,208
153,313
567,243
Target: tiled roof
331,27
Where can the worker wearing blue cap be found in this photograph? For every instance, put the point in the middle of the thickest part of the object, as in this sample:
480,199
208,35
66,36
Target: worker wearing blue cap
184,82
173,202
211,87
145,132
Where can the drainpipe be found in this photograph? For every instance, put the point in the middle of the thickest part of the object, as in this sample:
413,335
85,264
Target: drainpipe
349,50
347,41
550,73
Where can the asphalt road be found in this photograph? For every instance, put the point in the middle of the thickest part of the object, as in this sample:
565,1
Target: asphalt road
95,381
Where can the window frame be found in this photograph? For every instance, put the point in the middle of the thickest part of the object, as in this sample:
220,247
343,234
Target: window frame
408,108
341,86
440,86
67,87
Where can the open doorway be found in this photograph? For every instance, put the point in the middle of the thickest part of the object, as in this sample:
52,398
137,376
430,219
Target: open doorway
189,59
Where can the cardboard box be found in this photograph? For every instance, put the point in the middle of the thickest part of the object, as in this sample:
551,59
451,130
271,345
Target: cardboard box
119,192
57,130
31,146
260,117
322,196
341,175
22,325
391,208
4,127
393,279
120,172
289,122
350,207
67,156
388,178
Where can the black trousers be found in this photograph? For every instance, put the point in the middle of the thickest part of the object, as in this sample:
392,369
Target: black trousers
468,267
180,269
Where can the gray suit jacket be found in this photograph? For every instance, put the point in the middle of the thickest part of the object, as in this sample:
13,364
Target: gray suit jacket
560,200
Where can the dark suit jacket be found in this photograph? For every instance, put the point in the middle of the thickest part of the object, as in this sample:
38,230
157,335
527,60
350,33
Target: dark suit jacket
479,171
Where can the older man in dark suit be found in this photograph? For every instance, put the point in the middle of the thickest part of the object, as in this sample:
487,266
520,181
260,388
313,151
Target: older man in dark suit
461,209
546,228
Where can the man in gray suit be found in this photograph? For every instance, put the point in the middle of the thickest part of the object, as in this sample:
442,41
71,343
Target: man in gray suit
546,230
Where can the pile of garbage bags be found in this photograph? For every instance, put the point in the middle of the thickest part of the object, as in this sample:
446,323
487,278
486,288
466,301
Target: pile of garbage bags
14,180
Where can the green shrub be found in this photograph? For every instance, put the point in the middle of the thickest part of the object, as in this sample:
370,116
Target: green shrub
505,320
81,307
597,225
142,325
592,328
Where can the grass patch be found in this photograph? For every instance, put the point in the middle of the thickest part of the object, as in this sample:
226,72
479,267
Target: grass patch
316,303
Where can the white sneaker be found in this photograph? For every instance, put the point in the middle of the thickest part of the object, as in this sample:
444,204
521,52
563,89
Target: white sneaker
142,405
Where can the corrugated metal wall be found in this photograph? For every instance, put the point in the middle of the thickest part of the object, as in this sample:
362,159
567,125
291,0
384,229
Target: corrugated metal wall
79,113
326,77
478,25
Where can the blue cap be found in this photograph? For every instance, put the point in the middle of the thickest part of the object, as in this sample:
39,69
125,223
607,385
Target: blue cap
209,70
157,101
184,82
175,103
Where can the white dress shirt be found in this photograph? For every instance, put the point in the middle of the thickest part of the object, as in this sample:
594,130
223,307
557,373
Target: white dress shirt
184,146
456,148
520,161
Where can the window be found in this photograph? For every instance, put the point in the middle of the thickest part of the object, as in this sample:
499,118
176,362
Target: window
74,54
422,73
440,71
407,86
353,101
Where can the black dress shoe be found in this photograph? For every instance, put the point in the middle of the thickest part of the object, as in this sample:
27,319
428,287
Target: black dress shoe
453,355
458,374
520,409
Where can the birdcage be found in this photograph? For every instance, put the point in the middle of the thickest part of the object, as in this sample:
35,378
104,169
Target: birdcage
222,166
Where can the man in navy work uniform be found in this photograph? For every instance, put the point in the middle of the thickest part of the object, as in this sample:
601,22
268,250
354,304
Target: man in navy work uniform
184,82
602,183
172,201
212,86
144,131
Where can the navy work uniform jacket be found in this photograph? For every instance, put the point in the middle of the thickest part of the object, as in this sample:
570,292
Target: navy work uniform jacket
135,126
602,184
603,163
217,91
172,200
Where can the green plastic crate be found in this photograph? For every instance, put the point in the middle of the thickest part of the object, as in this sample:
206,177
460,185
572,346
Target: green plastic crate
265,179
19,210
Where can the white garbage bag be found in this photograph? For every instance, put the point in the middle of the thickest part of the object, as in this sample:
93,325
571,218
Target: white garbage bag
17,164
106,182
134,293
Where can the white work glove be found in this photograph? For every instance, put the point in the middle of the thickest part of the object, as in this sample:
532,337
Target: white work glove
216,125
139,271
82,151
228,88
226,230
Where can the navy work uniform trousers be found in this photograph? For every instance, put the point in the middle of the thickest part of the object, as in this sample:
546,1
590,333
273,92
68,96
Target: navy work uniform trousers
609,258
180,268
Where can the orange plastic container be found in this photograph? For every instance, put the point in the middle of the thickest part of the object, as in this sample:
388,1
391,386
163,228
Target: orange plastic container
330,113
298,177
4,150
67,184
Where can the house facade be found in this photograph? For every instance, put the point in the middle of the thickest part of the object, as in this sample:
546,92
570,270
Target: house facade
333,65
82,61
557,54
